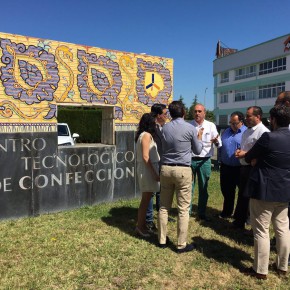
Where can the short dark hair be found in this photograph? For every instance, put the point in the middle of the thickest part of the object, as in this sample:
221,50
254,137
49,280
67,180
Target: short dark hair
281,113
176,109
257,111
157,109
240,115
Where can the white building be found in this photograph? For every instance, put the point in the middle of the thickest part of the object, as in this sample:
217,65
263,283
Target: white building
251,77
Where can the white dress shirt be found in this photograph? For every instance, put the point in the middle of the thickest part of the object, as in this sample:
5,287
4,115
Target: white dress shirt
209,132
250,137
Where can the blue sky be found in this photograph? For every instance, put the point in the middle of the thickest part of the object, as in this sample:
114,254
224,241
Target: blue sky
185,30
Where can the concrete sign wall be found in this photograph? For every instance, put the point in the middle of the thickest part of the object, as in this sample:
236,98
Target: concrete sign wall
36,177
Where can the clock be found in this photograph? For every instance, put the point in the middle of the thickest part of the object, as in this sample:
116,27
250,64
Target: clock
153,84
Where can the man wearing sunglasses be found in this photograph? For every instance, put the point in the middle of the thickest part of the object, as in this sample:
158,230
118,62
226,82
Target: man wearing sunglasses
201,164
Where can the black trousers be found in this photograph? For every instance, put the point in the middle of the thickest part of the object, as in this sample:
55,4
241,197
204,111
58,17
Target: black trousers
242,207
229,181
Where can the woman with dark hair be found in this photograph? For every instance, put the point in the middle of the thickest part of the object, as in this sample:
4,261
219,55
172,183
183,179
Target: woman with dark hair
147,168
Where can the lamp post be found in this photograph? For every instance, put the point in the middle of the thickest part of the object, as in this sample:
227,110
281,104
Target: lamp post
204,96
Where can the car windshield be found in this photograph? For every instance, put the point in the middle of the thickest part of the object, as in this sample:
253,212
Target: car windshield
62,130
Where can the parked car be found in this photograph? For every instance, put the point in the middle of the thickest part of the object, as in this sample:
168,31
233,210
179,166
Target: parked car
64,137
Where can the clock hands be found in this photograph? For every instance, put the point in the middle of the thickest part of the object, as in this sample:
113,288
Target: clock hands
152,85
157,87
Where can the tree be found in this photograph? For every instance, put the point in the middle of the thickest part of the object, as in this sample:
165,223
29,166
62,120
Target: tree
210,116
190,111
181,100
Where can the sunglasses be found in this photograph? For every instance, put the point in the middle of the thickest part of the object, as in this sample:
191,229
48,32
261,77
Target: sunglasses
197,111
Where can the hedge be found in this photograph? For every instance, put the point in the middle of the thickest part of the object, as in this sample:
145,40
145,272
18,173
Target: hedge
86,122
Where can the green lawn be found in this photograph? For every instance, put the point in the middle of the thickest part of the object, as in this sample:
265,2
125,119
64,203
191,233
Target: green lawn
96,248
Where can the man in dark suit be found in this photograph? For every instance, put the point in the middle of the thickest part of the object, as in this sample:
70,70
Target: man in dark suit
284,99
159,112
268,189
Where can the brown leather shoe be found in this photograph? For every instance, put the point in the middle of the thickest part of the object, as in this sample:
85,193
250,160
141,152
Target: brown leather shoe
281,273
251,272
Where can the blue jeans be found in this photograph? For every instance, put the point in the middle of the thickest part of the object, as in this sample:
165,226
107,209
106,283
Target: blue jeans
149,213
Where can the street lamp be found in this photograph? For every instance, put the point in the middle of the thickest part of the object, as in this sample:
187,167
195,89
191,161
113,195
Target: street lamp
204,96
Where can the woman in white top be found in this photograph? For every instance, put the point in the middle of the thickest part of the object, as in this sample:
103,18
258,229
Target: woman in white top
147,168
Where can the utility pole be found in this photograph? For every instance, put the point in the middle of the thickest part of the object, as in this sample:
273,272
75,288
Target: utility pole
204,96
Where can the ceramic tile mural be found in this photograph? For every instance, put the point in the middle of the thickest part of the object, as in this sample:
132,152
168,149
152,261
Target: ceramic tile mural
38,74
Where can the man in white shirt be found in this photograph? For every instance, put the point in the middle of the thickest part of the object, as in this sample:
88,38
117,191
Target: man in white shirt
255,130
201,164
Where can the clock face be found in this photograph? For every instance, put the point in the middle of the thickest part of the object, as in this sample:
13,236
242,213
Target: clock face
153,83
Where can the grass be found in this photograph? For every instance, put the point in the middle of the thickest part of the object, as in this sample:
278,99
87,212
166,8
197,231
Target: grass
96,248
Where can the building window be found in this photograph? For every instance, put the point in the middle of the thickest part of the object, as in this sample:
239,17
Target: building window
245,72
272,66
224,98
245,95
271,91
225,77
223,120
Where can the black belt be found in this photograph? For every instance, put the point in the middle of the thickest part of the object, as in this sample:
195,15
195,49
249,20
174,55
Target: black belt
176,164
237,166
200,158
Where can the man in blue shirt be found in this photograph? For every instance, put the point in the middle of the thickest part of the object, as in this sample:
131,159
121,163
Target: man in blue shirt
230,165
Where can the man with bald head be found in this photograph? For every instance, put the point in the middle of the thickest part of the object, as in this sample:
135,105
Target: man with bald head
201,163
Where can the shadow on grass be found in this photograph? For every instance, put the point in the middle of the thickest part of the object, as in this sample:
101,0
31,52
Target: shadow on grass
221,252
224,227
124,218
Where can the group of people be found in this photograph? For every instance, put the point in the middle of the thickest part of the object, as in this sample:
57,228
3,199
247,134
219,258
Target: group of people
253,159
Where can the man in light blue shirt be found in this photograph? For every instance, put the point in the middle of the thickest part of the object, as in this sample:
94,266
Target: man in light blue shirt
180,140
230,165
